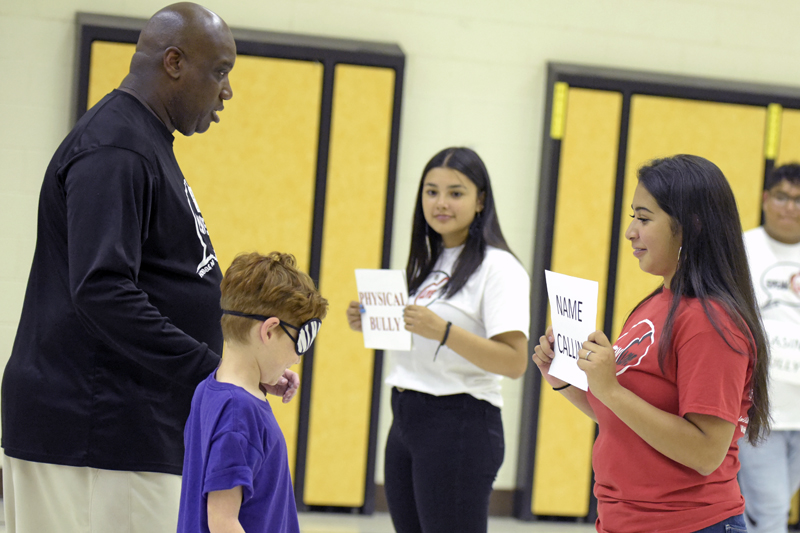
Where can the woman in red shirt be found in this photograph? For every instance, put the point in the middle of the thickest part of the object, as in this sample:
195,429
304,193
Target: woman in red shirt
687,376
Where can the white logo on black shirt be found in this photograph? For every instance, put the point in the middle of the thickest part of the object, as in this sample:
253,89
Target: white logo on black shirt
209,258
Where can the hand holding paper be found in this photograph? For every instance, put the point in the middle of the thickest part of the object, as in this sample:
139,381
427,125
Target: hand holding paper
601,366
543,357
424,322
354,311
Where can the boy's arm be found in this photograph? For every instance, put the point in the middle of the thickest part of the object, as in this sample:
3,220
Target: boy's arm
223,510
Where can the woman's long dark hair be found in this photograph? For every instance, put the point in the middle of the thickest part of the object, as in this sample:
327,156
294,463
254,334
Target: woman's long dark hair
427,245
712,264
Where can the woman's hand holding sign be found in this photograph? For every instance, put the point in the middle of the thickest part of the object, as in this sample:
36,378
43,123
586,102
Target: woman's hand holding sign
543,355
597,360
354,316
424,322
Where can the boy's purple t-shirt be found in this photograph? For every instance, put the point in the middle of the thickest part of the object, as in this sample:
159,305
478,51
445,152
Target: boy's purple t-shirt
232,439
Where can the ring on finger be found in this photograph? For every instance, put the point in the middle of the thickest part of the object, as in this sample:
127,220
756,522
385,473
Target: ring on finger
588,353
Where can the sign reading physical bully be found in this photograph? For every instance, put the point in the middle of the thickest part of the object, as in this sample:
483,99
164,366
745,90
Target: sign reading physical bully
383,294
573,313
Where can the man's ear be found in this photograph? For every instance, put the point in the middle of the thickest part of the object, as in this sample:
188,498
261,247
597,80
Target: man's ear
764,200
173,62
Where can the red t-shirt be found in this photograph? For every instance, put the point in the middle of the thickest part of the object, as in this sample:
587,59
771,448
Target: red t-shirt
637,488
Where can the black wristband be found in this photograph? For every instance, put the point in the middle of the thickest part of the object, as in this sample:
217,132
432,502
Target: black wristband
562,387
446,334
444,339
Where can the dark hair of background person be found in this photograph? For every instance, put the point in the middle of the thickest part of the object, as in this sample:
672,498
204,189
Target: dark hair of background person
712,264
427,245
789,172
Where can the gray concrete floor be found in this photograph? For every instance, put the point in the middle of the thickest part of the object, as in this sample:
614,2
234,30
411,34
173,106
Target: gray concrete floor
381,523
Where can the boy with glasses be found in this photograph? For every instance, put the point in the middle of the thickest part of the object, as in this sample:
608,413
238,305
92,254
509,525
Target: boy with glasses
770,473
236,471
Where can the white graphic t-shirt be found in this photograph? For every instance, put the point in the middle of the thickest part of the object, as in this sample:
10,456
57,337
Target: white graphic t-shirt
775,269
495,299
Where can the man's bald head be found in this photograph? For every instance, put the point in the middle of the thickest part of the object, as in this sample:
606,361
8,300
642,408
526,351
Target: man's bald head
184,25
180,68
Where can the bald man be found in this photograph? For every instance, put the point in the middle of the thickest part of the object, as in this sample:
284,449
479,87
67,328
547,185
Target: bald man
121,318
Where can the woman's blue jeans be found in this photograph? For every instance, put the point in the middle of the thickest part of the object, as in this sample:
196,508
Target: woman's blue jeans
734,524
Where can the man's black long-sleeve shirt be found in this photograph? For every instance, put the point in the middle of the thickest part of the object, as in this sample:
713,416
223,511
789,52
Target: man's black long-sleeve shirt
120,320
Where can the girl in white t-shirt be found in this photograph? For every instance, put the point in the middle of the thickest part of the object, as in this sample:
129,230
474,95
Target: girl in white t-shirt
470,315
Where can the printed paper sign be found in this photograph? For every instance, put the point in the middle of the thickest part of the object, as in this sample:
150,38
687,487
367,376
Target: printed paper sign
383,295
573,313
784,351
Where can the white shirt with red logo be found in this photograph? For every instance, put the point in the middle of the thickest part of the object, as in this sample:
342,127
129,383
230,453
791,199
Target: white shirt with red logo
775,269
495,299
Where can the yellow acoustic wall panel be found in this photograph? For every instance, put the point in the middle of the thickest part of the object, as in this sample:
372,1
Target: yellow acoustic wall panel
338,436
789,144
581,244
108,67
731,136
254,173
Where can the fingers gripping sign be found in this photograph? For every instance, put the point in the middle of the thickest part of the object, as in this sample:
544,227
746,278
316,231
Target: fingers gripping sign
424,322
543,356
597,359
354,312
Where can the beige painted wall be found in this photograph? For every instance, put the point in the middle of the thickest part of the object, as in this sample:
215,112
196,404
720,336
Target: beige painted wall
475,76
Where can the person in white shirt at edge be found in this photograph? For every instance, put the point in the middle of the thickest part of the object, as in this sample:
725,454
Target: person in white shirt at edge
469,314
770,473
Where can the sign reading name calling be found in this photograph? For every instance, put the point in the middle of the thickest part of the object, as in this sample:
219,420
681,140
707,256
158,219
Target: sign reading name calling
573,313
383,294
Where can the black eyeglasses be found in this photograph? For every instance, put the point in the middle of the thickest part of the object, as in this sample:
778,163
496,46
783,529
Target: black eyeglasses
782,199
305,333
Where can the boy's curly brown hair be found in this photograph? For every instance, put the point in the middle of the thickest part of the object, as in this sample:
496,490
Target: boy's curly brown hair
269,285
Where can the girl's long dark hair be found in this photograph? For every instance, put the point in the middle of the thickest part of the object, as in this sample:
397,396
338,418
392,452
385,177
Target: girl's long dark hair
427,245
712,264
